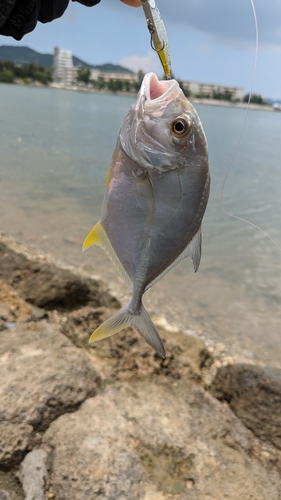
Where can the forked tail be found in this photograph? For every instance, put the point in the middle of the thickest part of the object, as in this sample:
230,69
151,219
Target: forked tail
141,322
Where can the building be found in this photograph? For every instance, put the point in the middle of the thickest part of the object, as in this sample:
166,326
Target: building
64,71
210,90
112,75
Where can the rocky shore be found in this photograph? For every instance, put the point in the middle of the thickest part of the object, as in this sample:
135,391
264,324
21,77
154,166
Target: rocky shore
112,420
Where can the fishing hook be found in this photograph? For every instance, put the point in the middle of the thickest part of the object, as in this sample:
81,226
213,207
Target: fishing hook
151,29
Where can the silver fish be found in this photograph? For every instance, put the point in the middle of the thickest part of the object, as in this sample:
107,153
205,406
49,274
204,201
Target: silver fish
157,190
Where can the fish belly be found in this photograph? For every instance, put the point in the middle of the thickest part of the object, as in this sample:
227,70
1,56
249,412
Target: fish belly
150,217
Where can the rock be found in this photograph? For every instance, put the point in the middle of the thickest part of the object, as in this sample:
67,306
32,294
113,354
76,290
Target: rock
162,441
33,475
126,355
10,487
254,394
4,495
12,308
79,324
14,441
42,376
43,283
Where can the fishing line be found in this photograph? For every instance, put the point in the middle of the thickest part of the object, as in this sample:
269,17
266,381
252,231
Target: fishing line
241,134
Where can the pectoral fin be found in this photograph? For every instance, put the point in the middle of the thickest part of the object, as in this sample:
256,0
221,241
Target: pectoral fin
98,236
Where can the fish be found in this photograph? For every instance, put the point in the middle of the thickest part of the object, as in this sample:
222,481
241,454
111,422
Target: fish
157,190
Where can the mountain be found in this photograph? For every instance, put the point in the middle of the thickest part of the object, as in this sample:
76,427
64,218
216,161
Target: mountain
25,55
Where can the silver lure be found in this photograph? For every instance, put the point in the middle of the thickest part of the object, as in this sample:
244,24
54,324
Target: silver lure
157,190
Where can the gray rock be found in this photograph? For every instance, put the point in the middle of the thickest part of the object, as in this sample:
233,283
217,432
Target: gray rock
160,441
254,394
42,376
45,284
4,495
14,441
10,487
33,475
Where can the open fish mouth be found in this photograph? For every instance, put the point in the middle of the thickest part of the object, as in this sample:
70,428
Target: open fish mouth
153,89
155,95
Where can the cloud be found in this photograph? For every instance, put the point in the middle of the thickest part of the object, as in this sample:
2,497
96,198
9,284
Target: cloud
147,63
226,21
223,21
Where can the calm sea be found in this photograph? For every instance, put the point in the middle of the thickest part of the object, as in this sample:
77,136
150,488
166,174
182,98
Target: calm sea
56,147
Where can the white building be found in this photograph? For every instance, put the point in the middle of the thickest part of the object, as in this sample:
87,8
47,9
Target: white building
207,89
63,66
112,75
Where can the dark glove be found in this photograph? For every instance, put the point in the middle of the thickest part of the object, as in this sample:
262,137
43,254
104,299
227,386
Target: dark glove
18,17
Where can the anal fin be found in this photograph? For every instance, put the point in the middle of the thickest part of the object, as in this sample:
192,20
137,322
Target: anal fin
193,250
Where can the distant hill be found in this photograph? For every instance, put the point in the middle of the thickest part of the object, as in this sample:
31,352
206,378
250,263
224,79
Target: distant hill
25,55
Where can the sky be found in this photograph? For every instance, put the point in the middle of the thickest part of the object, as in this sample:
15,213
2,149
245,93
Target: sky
211,41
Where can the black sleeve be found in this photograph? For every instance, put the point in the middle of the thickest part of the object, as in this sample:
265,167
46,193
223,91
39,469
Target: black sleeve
18,17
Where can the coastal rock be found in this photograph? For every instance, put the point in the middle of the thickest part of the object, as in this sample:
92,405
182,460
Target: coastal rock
254,394
42,376
45,284
113,420
10,487
162,441
126,355
33,475
14,441
12,308
4,495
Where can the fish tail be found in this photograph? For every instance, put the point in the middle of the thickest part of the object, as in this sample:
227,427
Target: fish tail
141,322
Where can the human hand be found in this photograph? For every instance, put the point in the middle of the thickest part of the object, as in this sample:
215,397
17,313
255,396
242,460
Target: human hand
132,3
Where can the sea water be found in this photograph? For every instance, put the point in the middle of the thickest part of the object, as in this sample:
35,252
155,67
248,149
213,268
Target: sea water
55,150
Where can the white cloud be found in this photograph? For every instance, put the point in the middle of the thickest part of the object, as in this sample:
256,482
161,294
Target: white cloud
147,63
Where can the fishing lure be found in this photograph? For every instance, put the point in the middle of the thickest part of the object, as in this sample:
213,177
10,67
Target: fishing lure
159,38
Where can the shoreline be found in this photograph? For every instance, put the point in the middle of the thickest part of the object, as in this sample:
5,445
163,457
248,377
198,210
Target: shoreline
193,100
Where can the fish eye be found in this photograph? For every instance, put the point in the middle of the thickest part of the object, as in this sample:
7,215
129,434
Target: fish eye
180,126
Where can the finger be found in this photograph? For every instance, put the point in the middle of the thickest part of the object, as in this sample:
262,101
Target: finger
132,3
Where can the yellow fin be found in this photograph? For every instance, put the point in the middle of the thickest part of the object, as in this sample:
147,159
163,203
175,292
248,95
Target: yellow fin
95,237
107,178
99,237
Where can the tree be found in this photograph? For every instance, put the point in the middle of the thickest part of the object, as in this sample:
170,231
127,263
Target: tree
185,88
83,75
140,76
114,85
255,99
7,76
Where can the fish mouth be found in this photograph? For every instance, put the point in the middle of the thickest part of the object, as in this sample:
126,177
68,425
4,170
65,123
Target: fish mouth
155,90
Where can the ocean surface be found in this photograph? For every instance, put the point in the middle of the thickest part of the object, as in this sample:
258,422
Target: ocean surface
55,150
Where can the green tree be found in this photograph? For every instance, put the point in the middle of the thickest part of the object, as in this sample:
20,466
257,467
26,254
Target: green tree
140,76
127,86
114,85
7,76
185,88
100,83
255,99
83,75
